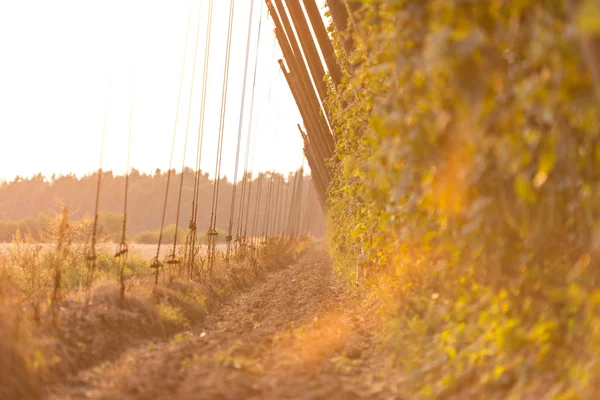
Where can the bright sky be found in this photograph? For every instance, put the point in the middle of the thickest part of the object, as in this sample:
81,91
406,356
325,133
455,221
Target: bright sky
54,68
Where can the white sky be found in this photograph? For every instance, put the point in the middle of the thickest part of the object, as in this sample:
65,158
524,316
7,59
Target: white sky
54,68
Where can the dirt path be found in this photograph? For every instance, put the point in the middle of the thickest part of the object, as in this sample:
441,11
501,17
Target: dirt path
294,336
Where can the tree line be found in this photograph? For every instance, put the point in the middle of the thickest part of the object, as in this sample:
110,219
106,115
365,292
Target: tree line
25,201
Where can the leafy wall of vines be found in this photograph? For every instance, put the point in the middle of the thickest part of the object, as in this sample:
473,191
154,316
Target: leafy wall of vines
467,187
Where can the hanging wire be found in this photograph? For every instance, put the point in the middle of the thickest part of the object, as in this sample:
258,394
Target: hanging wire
295,201
172,259
284,208
298,205
239,138
90,254
307,209
245,216
193,226
250,183
256,209
265,231
212,232
156,264
245,185
123,249
272,77
290,213
273,207
276,210
253,241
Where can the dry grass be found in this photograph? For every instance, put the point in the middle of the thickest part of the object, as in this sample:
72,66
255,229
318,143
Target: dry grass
17,378
39,350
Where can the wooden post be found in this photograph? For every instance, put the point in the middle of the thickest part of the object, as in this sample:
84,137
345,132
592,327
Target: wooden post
324,42
308,46
304,72
317,135
306,91
321,169
300,71
320,186
305,112
315,166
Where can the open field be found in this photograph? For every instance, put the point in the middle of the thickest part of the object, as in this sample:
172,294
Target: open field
146,251
297,334
66,332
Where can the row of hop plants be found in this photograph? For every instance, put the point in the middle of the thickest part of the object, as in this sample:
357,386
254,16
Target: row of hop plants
467,191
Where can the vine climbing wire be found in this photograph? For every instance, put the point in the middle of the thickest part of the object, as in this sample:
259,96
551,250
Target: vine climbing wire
275,211
156,264
296,202
192,235
253,242
298,206
306,214
256,211
272,206
265,230
123,249
90,253
291,205
250,244
239,137
246,184
172,258
285,207
244,214
212,231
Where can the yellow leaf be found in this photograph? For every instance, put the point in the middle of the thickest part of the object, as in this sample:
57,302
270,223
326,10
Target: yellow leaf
524,189
588,17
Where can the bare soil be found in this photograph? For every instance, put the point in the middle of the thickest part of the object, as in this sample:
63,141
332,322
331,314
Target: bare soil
298,334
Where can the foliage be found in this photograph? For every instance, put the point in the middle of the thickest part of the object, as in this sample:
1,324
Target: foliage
466,189
28,226
31,267
109,225
24,266
172,314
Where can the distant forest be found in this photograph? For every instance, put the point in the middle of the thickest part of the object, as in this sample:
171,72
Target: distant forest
24,201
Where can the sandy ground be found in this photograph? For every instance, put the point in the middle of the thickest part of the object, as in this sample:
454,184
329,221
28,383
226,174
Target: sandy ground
298,334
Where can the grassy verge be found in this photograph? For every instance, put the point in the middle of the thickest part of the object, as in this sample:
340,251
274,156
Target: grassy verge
43,346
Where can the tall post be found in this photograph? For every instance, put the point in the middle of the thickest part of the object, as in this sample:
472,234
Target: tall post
305,112
308,46
299,70
323,39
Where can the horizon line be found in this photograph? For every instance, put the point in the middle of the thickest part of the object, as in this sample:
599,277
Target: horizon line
176,171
